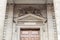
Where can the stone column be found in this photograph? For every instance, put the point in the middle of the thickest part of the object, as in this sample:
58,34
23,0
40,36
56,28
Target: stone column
50,22
9,30
14,32
2,16
57,15
45,31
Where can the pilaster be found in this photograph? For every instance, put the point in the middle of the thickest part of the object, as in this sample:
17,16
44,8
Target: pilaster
57,16
2,16
9,27
50,22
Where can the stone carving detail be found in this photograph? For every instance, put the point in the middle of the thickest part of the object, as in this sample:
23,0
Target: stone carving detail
30,10
5,24
54,26
36,9
54,23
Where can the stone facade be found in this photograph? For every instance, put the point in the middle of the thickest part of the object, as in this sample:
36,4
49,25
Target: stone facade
17,15
44,20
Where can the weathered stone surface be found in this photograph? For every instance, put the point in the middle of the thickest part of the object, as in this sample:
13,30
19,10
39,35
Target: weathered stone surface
2,16
47,32
57,15
9,25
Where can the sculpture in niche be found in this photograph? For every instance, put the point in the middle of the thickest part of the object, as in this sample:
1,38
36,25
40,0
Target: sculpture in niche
29,10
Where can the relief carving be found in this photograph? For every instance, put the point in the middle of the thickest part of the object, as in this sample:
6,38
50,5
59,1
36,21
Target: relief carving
30,10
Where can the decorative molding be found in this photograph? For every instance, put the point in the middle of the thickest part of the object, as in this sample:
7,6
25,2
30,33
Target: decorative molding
38,18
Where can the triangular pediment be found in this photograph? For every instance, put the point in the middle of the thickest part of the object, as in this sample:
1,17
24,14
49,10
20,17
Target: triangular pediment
30,17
